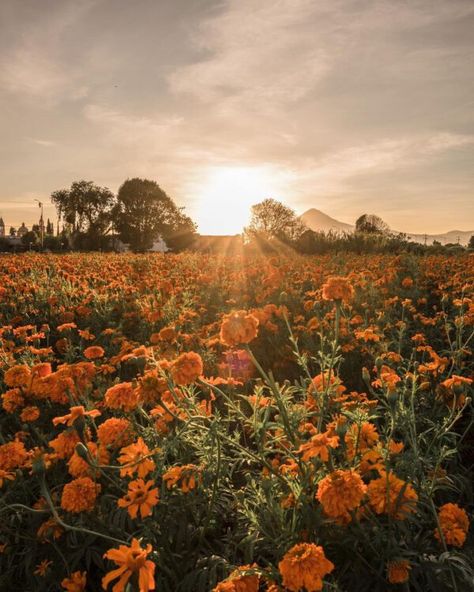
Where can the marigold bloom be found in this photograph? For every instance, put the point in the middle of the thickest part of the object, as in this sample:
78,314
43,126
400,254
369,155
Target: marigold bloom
30,413
185,473
131,560
115,432
75,413
318,445
238,327
140,498
187,368
398,572
337,288
454,524
94,352
64,445
76,582
121,396
451,390
42,568
79,467
340,492
390,495
79,495
19,375
49,530
132,457
239,582
12,400
360,438
304,567
12,455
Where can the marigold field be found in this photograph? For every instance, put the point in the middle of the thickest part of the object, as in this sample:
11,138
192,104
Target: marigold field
200,423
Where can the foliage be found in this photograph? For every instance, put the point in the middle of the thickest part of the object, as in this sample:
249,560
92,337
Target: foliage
144,211
273,221
371,224
87,208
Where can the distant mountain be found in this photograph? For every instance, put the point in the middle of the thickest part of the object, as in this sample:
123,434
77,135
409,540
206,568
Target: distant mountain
319,221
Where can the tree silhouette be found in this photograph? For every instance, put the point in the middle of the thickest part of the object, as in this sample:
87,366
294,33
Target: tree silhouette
371,224
272,220
144,212
87,208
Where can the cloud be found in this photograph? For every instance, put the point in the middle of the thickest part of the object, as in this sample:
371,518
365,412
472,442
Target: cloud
44,143
255,54
36,67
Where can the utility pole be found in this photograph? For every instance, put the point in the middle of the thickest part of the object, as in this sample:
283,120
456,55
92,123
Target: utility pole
40,204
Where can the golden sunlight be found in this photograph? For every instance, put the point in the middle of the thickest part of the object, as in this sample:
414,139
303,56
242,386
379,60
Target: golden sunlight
227,194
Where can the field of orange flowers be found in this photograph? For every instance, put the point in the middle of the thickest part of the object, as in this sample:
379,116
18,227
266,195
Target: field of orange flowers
200,423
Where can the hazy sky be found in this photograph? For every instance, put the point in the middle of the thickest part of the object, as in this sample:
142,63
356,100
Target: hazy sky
349,106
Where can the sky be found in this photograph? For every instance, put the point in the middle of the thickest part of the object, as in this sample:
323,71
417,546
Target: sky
347,106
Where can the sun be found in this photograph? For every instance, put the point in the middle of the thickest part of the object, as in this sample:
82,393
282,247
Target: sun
226,195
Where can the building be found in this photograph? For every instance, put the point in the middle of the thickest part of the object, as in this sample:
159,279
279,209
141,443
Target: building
22,230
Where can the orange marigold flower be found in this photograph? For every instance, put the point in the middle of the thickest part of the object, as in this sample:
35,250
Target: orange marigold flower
94,352
76,413
115,432
167,334
41,370
451,390
50,529
398,572
121,396
318,445
12,455
140,498
239,581
238,327
17,376
360,438
304,566
454,524
391,495
338,288
185,473
131,560
65,444
30,413
79,495
132,457
187,368
79,467
42,568
12,400
76,582
340,492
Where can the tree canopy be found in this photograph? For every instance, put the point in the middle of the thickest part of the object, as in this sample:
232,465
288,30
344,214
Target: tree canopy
271,220
371,224
144,211
87,208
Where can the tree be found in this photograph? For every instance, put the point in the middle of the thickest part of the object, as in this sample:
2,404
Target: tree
12,231
371,224
271,220
87,208
144,212
30,239
471,242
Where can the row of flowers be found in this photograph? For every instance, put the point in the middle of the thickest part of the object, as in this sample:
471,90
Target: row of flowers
123,442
